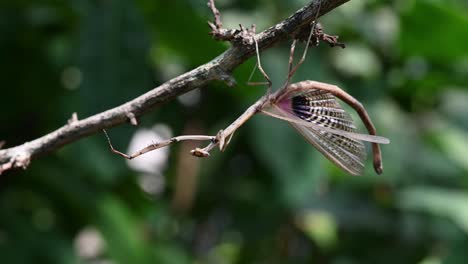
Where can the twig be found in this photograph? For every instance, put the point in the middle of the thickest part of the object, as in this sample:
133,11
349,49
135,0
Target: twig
217,69
242,36
217,23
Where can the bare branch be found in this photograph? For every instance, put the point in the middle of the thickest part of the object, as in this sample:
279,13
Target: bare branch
219,68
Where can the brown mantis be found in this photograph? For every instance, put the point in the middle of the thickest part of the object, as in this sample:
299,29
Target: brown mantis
311,108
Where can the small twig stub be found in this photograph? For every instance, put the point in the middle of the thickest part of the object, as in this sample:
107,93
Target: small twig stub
73,119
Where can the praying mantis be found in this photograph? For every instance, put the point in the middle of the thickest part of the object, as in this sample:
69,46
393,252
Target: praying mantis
311,107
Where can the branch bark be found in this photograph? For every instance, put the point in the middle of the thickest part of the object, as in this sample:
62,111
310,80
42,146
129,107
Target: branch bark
219,68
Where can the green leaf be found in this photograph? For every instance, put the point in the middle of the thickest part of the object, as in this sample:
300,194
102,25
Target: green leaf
438,202
177,27
443,38
124,235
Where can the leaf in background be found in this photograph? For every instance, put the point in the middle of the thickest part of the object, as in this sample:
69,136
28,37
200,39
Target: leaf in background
29,229
454,144
124,235
319,226
437,202
177,27
295,164
443,38
402,155
28,74
113,55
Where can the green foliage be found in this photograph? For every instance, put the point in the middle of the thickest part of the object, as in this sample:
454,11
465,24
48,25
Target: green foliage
270,197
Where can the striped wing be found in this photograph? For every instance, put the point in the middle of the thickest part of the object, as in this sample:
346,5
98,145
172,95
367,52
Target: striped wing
329,127
346,153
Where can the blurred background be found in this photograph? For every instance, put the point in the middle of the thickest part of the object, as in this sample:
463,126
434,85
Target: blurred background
271,197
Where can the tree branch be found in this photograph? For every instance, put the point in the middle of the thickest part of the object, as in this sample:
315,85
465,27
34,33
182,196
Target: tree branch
219,68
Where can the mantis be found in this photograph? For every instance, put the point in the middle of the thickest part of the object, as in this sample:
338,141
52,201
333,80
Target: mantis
311,107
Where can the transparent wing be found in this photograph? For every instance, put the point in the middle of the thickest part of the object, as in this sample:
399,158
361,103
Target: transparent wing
357,136
321,108
319,117
346,153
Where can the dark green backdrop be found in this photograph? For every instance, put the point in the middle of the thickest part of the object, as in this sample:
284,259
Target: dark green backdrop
271,197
